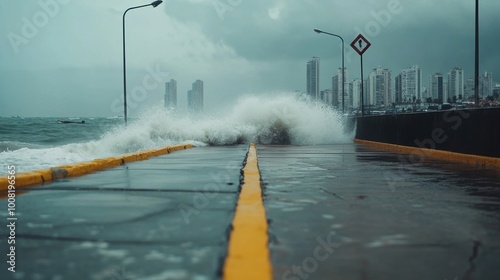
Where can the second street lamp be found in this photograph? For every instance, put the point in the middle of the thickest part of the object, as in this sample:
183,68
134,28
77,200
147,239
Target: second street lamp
154,5
343,69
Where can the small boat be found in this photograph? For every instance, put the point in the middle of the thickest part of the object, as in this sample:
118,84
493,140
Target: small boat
80,122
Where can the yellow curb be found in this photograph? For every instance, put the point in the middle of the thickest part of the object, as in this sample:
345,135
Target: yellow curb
78,169
436,154
248,253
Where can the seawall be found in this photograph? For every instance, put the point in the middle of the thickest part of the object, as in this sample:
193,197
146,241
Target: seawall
471,132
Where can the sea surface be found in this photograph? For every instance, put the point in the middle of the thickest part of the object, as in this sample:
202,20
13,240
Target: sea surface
39,143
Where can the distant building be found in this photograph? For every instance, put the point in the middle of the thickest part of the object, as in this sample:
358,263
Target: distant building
312,77
355,93
398,89
437,87
337,88
496,91
171,94
409,85
379,87
455,84
195,97
425,94
485,85
469,88
326,96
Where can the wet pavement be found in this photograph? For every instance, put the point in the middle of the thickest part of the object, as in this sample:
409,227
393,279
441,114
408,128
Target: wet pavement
164,218
348,212
335,212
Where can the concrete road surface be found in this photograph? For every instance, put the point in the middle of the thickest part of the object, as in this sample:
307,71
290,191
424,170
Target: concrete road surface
335,212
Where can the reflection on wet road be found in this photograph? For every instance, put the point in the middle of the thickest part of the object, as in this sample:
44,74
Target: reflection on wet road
382,216
335,212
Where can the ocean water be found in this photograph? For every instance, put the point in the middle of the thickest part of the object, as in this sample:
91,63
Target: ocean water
38,143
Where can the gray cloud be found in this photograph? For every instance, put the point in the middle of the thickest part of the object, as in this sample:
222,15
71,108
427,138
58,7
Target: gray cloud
256,46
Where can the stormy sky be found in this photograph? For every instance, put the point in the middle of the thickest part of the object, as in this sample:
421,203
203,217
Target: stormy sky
64,57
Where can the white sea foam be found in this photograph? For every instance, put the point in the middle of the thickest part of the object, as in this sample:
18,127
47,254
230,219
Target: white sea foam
281,119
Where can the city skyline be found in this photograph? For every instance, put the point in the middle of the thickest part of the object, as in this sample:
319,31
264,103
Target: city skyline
408,86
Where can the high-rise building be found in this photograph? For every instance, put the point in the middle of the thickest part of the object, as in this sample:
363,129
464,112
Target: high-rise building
455,84
437,87
355,93
410,87
425,93
379,87
398,89
312,77
337,88
195,97
485,85
326,96
469,88
496,91
171,94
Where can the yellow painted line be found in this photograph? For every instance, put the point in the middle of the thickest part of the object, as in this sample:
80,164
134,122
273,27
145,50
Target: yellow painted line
79,169
248,253
436,154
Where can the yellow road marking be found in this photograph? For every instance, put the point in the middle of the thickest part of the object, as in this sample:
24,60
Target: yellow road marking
78,169
436,154
248,254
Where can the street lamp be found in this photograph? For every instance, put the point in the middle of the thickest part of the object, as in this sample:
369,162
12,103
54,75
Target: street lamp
343,69
476,59
154,4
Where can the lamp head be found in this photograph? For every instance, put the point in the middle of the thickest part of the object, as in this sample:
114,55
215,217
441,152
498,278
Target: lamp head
156,3
317,30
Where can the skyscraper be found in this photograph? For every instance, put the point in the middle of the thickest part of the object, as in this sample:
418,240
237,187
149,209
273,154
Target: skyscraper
171,94
355,93
379,88
326,96
496,91
312,77
485,85
337,88
455,84
437,87
468,88
195,97
410,87
398,88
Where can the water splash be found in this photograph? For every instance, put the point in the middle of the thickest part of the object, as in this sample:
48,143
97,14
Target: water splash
280,119
283,119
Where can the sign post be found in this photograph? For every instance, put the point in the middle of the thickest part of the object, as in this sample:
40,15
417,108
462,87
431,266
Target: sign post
360,45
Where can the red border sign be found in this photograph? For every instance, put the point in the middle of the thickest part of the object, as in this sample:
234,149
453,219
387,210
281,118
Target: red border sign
359,40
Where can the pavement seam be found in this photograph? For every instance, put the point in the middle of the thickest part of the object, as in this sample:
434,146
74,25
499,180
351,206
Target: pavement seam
248,254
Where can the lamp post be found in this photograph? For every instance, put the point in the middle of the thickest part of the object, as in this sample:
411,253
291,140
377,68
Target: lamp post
343,69
476,59
154,4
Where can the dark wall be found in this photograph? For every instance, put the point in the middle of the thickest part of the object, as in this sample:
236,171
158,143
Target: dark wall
474,132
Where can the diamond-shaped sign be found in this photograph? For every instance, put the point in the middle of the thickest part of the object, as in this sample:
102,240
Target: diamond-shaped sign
360,44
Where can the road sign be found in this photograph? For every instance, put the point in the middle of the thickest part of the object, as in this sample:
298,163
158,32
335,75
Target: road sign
360,44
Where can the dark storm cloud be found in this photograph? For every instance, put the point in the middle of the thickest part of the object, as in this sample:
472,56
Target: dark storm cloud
437,35
235,46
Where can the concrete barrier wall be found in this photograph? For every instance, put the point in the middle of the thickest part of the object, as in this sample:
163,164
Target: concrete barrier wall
475,132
